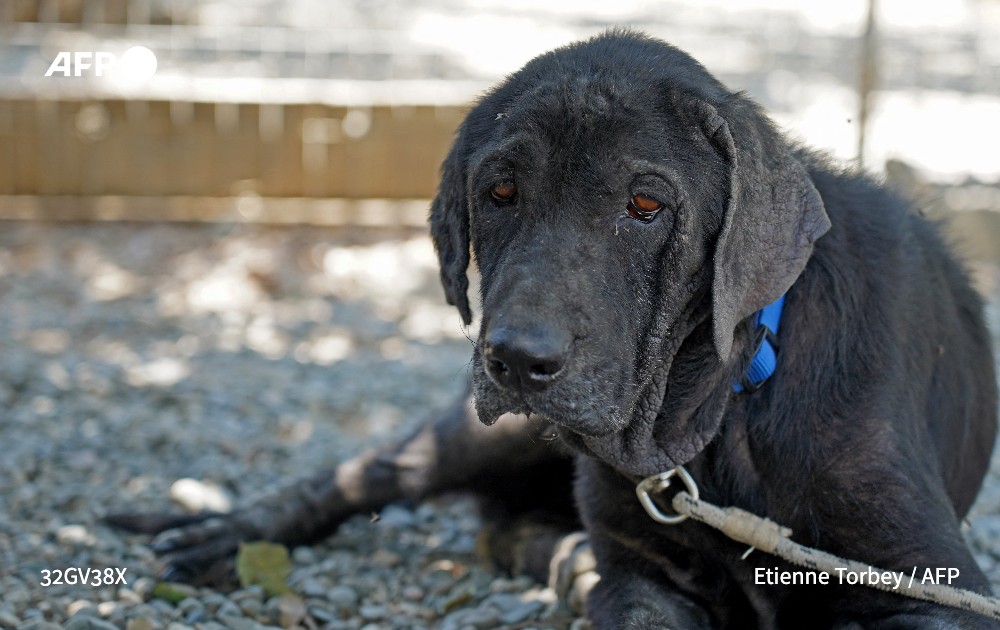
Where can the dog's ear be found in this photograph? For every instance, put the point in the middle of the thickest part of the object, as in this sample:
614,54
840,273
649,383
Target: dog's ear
450,231
773,215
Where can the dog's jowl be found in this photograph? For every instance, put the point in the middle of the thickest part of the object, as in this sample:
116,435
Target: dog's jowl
666,280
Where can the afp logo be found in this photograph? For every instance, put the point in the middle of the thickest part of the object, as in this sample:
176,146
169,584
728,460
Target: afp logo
135,65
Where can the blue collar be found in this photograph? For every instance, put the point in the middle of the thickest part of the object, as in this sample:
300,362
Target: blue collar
765,360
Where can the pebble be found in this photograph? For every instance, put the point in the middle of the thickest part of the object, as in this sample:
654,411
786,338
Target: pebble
189,604
304,554
313,587
254,591
17,598
521,612
75,535
291,610
128,596
343,596
106,609
8,619
213,601
251,607
86,622
239,623
321,614
397,516
387,559
372,612
162,608
481,618
140,623
78,606
413,593
228,609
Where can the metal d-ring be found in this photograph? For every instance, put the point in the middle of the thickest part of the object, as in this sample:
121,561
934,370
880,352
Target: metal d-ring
658,483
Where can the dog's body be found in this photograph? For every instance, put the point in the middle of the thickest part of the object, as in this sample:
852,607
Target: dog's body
629,216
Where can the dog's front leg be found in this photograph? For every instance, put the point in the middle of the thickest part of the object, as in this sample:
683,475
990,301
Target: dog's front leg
455,452
640,587
624,599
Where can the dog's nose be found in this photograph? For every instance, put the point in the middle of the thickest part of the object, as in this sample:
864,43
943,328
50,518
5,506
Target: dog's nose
525,359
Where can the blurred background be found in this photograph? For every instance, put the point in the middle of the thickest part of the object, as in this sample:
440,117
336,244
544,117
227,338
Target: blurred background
358,99
215,273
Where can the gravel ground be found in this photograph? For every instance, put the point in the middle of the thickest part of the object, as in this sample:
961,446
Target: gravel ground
235,357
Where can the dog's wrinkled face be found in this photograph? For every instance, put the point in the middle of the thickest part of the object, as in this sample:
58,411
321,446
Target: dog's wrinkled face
592,214
624,209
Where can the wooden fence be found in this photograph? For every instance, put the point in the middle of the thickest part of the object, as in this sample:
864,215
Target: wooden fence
221,149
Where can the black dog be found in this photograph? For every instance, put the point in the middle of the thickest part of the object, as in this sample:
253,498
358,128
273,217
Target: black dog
630,217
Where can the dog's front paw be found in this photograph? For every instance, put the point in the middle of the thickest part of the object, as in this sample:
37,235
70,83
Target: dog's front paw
624,601
196,548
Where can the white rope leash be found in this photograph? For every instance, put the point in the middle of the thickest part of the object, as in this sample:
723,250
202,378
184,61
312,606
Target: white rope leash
768,536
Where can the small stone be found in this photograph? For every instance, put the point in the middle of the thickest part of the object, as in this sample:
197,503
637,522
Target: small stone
196,617
128,596
188,604
304,555
86,622
75,535
254,591
291,609
321,614
481,618
251,607
437,580
413,593
239,623
162,607
78,606
228,609
106,609
386,558
213,601
397,516
8,619
313,587
373,612
17,598
510,585
140,623
344,596
522,612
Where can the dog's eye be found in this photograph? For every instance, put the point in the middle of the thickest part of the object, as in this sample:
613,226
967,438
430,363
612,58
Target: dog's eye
504,191
643,208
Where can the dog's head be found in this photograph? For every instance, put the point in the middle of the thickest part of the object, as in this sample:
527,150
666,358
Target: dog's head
616,197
